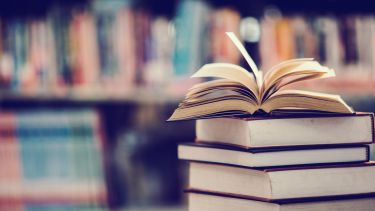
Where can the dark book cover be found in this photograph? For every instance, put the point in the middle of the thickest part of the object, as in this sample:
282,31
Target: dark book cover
285,201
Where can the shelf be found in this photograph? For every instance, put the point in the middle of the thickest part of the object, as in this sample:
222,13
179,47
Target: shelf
172,93
344,86
142,96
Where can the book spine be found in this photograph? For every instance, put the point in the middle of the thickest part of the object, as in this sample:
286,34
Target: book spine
190,29
222,49
60,20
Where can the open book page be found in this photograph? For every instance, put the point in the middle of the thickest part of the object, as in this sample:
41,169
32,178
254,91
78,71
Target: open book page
292,71
233,106
306,100
216,98
240,92
249,60
205,88
285,64
231,72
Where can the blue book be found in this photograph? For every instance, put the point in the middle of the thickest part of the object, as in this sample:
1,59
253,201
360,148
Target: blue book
28,150
18,45
50,207
60,18
191,32
105,15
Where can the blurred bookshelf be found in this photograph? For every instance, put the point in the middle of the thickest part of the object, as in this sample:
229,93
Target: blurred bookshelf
125,64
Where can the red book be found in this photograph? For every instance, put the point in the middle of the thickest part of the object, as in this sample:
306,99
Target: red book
10,176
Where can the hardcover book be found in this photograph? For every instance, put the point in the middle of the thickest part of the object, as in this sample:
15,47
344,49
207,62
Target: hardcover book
283,184
288,130
267,157
213,202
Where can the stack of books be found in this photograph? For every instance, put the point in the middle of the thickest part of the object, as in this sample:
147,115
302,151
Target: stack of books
266,148
289,162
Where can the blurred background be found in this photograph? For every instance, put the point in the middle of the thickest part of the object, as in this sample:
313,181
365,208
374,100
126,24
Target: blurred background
86,87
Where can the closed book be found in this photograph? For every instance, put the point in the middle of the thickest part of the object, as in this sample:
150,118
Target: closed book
288,130
283,184
213,202
266,157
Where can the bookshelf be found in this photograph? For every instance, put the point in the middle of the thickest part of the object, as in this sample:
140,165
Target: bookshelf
59,55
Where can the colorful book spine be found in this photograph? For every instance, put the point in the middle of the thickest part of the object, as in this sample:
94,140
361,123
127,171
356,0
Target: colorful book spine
190,29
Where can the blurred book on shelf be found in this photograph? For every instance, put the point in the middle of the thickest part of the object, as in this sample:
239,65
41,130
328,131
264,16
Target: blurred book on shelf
110,47
51,157
191,45
345,43
222,49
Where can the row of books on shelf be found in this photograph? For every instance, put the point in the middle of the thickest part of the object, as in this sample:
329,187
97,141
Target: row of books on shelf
50,157
106,43
110,47
113,47
345,43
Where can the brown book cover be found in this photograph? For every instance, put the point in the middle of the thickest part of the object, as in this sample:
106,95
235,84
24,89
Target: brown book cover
285,201
297,167
253,151
288,114
199,143
284,184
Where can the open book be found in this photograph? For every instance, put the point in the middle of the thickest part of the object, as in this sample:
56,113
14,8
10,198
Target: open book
240,92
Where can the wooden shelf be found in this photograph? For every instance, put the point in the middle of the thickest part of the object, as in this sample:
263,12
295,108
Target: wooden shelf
344,86
142,96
